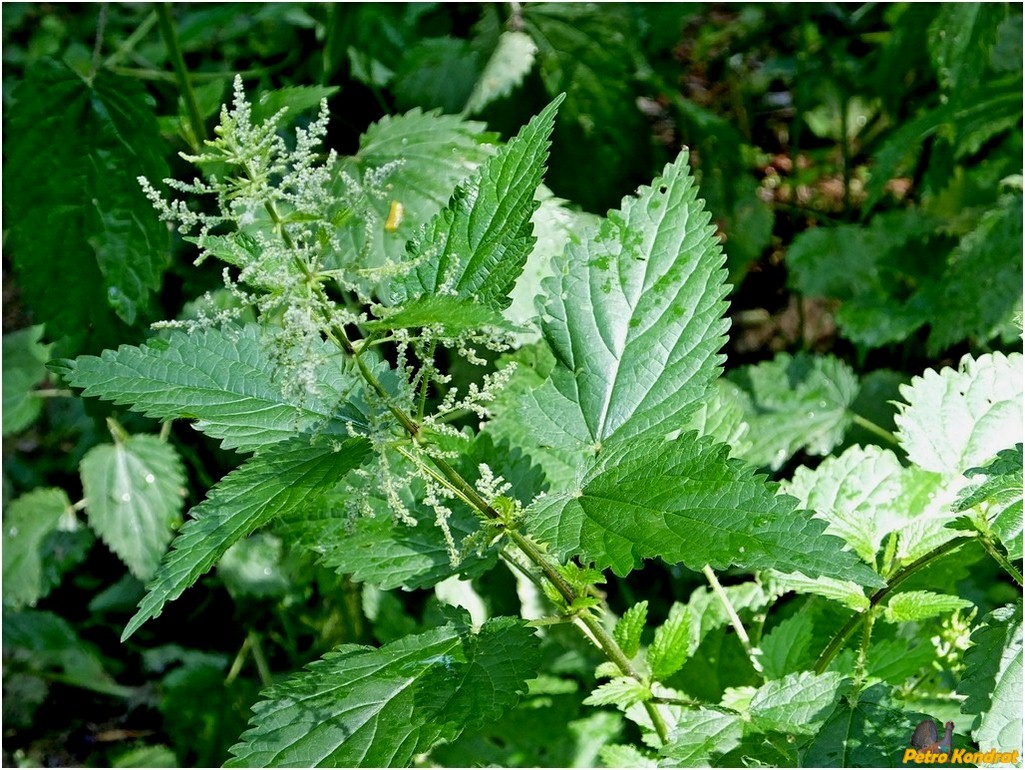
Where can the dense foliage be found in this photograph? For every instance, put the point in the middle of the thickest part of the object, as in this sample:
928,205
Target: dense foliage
530,385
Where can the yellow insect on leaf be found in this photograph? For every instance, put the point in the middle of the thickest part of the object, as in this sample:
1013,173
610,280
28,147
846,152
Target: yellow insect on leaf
394,217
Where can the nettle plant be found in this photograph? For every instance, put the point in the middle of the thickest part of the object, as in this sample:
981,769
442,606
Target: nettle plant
596,433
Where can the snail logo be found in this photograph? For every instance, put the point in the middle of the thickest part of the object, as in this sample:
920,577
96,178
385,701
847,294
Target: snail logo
927,748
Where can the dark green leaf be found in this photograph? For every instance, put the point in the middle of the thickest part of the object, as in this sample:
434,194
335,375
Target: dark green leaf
275,482
365,707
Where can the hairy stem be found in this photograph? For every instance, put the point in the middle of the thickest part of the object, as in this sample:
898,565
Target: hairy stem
1001,559
735,620
840,639
871,427
174,51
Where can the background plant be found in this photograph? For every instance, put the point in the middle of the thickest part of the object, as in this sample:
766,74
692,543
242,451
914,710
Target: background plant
316,249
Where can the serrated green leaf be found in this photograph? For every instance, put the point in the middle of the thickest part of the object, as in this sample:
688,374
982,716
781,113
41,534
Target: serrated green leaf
622,692
436,72
476,246
894,660
702,734
1001,492
24,368
671,645
685,501
798,703
624,755
992,681
844,591
365,707
796,402
275,482
134,498
28,521
960,39
919,605
226,382
84,239
857,493
722,416
453,315
634,318
981,408
927,498
981,287
627,632
785,649
510,62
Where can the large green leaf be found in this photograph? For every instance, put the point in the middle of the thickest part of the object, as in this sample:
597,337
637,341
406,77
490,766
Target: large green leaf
365,707
509,64
476,246
134,496
954,420
686,501
225,381
992,681
701,735
1001,494
84,238
28,521
24,368
634,318
857,493
276,482
797,704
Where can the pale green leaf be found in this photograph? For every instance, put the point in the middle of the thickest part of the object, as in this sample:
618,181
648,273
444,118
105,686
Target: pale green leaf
412,161
510,62
993,680
785,649
28,521
798,703
622,692
134,497
722,416
954,420
227,382
277,481
857,493
627,632
927,497
796,403
702,734
24,368
366,707
634,318
476,246
708,613
1000,492
671,645
685,501
624,755
919,605
844,591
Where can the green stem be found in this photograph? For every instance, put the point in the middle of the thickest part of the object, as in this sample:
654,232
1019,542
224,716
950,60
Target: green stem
1001,559
871,427
132,40
174,51
735,620
266,677
840,639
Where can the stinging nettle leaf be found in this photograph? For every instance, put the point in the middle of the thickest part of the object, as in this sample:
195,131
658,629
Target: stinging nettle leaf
668,651
1001,493
365,707
797,703
225,382
475,248
980,406
133,491
24,368
627,632
275,482
27,523
510,62
686,501
919,605
634,317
